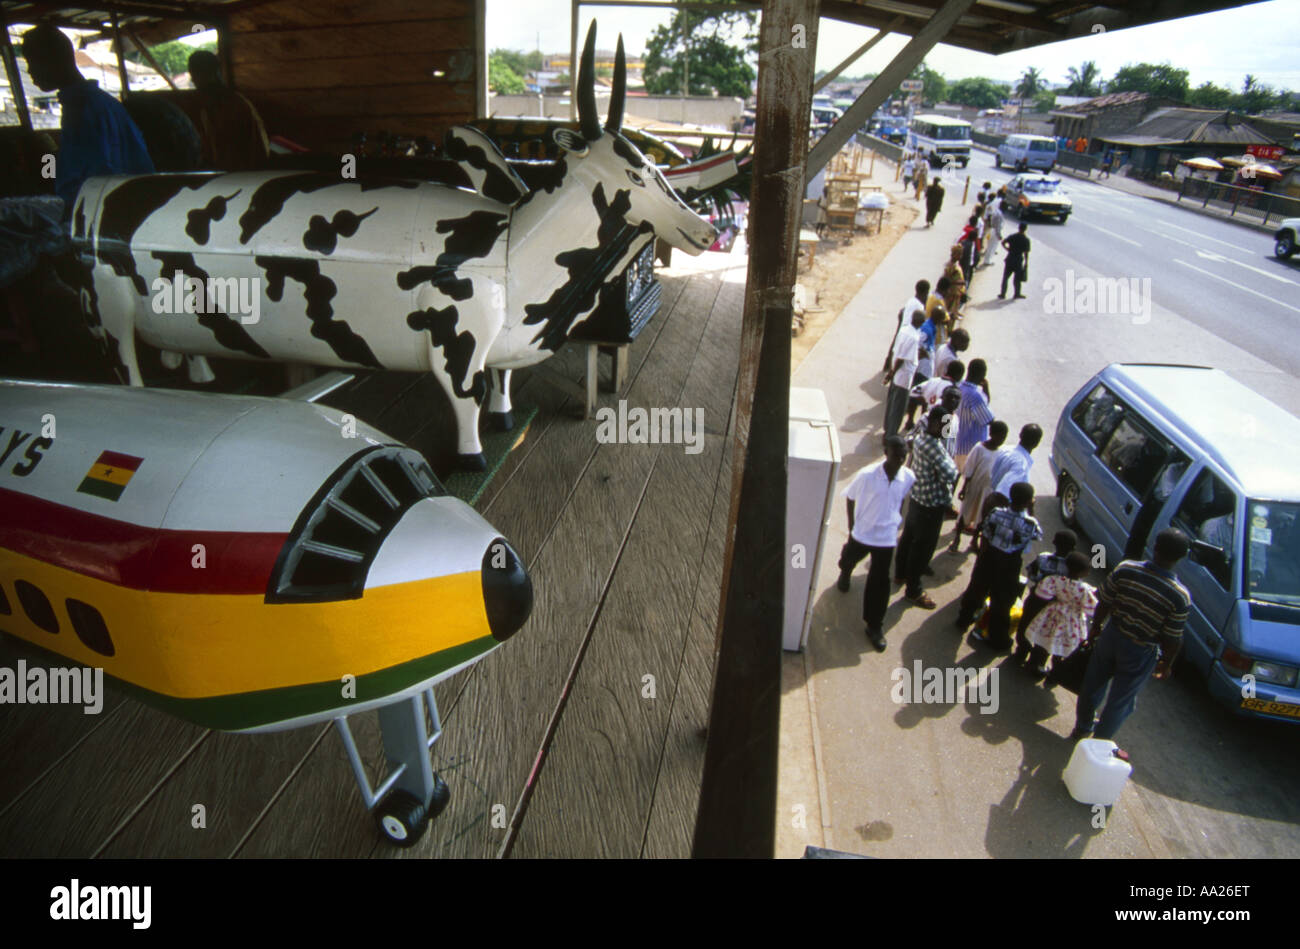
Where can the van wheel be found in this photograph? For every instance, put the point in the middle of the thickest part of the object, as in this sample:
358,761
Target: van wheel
1068,494
1284,247
997,160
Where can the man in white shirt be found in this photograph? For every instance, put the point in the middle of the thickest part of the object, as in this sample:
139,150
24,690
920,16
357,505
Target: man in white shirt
875,505
957,344
1013,464
906,354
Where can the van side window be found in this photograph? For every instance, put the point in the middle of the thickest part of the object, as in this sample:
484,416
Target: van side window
1134,455
1207,514
1098,415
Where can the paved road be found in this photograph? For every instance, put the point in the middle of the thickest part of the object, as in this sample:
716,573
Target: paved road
1220,275
944,778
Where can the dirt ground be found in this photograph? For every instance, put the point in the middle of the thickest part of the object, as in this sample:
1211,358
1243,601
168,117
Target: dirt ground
842,265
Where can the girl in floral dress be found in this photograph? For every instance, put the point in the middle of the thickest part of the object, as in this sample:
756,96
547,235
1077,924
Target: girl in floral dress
1063,623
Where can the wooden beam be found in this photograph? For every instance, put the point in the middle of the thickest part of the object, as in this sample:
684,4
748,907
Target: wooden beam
480,59
737,814
148,57
15,80
908,58
122,76
857,54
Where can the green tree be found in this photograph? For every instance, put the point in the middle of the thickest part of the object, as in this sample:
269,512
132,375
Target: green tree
503,79
1157,80
1257,97
174,56
1083,80
1030,84
1045,101
978,93
935,88
1209,96
694,50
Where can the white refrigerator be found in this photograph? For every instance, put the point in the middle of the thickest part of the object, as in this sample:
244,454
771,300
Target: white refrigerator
813,468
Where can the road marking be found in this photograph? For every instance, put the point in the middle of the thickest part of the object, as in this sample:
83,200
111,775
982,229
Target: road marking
1233,283
1210,255
1117,237
1204,237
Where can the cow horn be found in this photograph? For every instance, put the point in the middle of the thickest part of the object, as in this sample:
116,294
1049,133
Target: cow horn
588,120
616,99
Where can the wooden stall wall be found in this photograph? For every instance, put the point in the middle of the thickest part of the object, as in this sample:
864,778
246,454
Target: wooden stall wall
321,72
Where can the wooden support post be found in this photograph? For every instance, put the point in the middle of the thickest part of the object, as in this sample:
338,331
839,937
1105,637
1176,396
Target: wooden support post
737,813
966,190
121,60
908,58
573,60
15,78
149,58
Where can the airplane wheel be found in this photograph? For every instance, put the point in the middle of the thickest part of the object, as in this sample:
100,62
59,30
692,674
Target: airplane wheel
401,818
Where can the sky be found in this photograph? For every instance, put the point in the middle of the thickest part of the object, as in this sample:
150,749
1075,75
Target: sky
1262,39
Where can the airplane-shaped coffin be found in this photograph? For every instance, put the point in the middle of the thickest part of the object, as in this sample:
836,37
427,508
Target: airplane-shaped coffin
249,564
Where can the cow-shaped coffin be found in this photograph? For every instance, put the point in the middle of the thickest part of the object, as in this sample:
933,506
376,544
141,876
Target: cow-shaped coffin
394,274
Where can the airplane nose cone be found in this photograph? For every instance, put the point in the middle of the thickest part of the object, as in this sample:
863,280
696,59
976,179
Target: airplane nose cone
507,590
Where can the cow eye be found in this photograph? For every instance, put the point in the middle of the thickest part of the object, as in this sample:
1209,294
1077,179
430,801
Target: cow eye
635,178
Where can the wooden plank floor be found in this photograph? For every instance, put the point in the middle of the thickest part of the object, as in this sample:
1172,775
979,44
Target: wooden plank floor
556,745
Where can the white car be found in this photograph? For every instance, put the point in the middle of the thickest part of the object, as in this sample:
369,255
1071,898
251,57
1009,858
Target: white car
1286,238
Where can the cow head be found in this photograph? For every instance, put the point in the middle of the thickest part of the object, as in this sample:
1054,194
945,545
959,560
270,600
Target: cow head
604,157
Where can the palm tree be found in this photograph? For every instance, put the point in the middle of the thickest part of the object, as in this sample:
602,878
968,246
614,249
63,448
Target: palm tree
1082,80
1030,84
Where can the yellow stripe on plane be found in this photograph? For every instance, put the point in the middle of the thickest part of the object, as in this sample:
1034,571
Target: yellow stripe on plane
110,473
194,646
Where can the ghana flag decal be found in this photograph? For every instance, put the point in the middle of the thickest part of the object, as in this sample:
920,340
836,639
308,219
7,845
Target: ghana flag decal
108,476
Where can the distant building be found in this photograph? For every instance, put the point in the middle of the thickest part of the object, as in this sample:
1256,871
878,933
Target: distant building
1105,115
1167,136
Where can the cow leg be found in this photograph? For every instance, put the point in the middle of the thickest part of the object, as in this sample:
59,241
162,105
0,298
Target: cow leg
117,303
459,334
199,369
499,415
171,361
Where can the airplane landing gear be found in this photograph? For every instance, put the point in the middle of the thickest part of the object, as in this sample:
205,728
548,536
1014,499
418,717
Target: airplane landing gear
412,795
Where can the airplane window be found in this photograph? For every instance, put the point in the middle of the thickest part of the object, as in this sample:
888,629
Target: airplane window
5,608
88,623
37,606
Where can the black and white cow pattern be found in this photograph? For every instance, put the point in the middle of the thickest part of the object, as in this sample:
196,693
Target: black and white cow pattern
381,273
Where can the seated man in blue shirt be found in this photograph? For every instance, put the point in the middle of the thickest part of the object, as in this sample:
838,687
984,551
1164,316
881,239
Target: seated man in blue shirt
98,136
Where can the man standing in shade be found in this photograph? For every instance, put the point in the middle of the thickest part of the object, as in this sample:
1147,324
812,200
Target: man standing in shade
1017,262
1014,464
906,355
1146,607
875,501
97,135
1007,531
936,473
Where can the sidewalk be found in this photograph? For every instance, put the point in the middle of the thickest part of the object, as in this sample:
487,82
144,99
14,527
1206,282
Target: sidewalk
860,772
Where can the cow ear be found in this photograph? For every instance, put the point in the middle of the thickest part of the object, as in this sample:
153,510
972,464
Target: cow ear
570,141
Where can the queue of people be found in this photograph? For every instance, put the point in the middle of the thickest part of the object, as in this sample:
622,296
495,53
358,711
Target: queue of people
944,446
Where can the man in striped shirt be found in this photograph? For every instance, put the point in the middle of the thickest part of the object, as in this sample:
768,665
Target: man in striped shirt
973,414
1146,607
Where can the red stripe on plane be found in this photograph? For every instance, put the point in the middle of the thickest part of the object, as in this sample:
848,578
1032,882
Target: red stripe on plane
142,558
116,459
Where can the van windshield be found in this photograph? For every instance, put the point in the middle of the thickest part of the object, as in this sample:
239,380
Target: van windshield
1273,551
1038,145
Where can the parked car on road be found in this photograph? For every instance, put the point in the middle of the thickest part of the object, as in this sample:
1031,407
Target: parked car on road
1286,238
1143,447
1031,194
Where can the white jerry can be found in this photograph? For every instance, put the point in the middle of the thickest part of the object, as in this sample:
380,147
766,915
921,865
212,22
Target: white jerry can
1094,775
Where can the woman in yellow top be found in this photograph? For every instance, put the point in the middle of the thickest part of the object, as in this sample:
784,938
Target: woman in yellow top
956,283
